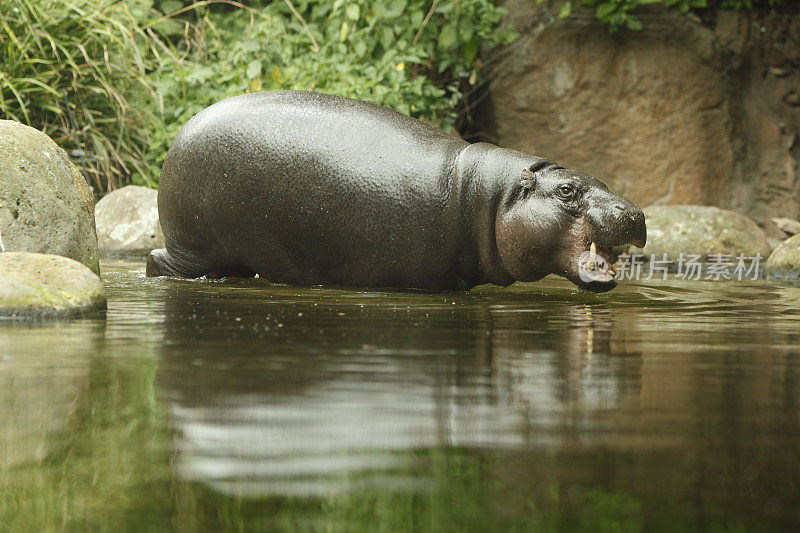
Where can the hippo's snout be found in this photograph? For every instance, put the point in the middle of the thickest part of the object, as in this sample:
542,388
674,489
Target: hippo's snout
617,222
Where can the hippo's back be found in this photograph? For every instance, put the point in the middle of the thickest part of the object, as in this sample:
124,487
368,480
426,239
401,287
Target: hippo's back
305,187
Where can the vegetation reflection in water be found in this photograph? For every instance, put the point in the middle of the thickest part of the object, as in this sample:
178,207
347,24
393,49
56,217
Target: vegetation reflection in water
207,405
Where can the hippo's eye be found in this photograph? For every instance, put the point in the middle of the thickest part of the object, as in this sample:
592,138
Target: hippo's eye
566,191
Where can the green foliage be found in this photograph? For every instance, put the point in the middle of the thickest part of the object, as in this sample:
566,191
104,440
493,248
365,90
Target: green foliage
618,14
415,56
94,53
749,4
134,71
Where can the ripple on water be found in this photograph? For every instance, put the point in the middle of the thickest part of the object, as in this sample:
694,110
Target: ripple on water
279,390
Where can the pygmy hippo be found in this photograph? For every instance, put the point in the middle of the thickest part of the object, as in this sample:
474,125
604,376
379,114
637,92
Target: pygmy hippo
307,188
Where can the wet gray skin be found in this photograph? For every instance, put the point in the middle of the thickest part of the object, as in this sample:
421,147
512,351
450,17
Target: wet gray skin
312,189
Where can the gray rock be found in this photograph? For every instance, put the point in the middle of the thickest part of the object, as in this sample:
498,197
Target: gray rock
127,222
784,262
773,243
701,230
43,285
787,225
45,204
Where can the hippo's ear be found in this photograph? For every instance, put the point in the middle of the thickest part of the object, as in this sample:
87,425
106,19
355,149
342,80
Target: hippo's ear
527,181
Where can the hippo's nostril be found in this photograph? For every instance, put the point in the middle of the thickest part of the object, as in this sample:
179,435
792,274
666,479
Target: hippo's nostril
619,207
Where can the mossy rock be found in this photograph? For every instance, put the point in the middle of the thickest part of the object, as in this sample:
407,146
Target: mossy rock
43,285
700,230
45,204
784,262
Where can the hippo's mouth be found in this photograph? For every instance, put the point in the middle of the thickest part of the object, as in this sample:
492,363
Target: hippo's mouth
594,266
599,259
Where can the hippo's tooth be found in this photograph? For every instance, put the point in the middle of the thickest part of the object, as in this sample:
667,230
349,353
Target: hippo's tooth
592,252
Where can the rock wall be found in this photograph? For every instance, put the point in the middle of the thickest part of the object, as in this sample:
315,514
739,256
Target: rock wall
683,112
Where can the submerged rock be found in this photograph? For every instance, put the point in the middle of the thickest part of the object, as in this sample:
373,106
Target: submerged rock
784,262
44,285
127,222
701,230
45,204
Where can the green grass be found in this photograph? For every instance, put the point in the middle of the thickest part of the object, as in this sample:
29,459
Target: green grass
88,56
128,74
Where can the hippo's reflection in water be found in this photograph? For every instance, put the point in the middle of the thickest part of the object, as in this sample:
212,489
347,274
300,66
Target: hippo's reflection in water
209,405
322,397
679,392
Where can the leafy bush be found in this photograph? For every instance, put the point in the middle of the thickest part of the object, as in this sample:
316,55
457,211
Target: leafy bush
619,13
134,71
90,55
415,56
749,4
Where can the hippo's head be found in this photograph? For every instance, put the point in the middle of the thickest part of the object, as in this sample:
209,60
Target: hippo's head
554,219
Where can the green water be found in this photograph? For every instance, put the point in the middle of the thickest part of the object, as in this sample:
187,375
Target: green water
239,406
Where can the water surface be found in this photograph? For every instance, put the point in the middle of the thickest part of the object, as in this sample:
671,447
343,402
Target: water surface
236,405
